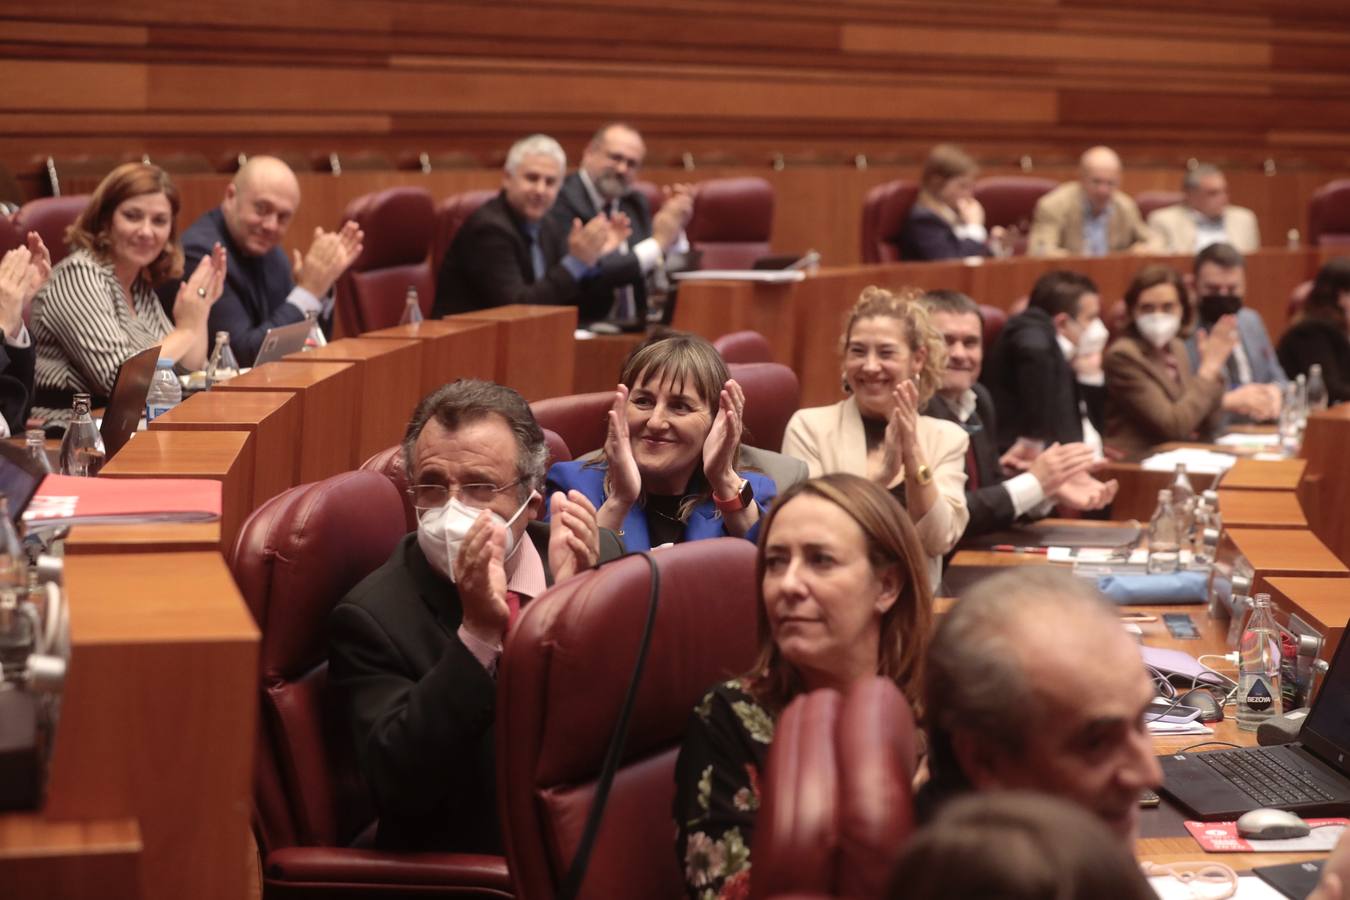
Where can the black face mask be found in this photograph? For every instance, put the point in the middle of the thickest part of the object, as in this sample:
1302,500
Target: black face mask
1215,306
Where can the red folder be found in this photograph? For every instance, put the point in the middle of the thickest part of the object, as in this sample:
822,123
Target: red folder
66,500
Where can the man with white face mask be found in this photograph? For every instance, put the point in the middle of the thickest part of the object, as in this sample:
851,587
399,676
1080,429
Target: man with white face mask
414,647
1044,372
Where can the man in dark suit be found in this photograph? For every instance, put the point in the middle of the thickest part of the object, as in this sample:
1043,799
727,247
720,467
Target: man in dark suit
505,252
604,183
996,501
264,289
1045,372
23,272
413,649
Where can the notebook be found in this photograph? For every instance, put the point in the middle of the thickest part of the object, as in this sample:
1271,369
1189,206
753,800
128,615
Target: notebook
1311,776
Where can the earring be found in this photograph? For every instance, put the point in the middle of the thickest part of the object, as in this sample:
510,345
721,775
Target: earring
848,388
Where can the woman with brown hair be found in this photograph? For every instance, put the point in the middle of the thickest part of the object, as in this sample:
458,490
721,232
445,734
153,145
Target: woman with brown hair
946,221
99,308
1152,396
1321,336
893,363
842,597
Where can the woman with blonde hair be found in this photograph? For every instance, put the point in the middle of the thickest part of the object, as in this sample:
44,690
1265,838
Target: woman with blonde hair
843,597
893,361
946,221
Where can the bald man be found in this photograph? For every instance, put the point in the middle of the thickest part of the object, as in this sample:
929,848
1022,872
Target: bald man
1090,216
263,289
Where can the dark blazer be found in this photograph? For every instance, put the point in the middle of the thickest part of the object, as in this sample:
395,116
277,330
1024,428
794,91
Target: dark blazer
990,505
488,264
420,706
1316,340
1145,406
16,384
615,269
256,287
926,235
1033,386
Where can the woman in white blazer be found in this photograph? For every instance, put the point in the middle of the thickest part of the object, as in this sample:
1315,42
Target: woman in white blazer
893,362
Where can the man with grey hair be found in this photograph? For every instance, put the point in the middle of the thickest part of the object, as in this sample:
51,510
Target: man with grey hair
506,253
1031,683
413,649
1091,216
1205,216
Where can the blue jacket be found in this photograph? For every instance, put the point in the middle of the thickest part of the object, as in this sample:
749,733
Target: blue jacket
704,521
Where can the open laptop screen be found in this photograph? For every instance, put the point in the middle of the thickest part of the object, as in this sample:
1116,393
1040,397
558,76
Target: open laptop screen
127,403
19,478
1326,731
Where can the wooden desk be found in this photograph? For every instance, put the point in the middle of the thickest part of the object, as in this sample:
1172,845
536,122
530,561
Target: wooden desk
151,537
1265,474
156,737
389,384
272,417
1326,484
1323,603
1277,552
535,353
451,349
225,456
1261,509
599,360
325,392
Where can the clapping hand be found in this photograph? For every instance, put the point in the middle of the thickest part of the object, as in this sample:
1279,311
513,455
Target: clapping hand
1215,346
625,479
587,242
480,574
329,255
902,430
22,274
1060,462
574,535
719,447
196,295
1083,492
620,230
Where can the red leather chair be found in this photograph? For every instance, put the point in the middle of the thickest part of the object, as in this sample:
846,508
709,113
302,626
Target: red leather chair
450,215
10,235
837,807
1010,201
994,320
578,419
732,222
50,217
744,347
884,211
1329,215
656,198
563,675
1151,201
398,224
294,558
772,395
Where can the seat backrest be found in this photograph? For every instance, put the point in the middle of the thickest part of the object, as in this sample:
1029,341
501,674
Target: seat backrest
744,347
450,215
579,419
294,559
1010,200
10,235
399,224
562,679
1152,201
837,805
50,217
732,223
994,320
884,211
1329,214
772,395
656,198
389,463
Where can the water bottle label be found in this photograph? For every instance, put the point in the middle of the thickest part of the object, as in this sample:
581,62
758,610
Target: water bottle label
1258,697
154,410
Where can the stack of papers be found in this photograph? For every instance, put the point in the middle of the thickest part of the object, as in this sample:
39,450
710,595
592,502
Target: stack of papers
1194,459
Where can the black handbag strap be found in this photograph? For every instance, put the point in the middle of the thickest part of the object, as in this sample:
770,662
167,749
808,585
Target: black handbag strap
576,873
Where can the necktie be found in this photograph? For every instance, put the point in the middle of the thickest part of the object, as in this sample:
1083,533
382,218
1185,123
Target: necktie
537,257
972,469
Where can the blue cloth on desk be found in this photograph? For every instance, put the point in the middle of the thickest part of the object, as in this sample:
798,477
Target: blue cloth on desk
1144,590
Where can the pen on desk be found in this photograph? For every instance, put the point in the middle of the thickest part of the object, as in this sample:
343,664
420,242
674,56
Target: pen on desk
1009,548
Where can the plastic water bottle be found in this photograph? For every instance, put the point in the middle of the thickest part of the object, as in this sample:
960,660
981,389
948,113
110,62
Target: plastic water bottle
82,451
1183,503
1317,389
35,443
222,366
1164,538
1291,434
316,336
1206,524
165,391
412,307
1301,403
1258,697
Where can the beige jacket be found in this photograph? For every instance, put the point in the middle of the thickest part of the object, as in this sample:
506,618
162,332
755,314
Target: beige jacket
1175,227
1057,227
831,439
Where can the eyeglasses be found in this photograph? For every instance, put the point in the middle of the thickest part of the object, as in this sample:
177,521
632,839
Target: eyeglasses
434,496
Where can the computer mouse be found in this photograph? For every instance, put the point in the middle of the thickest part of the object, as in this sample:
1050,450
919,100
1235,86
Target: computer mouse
1203,699
1270,825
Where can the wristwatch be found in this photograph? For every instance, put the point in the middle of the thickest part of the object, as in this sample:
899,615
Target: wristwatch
923,475
745,495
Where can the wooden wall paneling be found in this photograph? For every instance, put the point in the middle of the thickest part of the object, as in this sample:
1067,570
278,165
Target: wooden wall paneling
89,860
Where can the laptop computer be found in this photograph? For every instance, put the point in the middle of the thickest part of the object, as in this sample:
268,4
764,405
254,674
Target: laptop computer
1296,880
20,478
282,341
126,405
1310,776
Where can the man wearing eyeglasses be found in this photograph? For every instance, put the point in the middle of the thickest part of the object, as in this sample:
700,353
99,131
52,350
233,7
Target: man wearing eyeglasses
604,184
414,647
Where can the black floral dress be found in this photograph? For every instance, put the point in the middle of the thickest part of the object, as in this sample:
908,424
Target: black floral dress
717,791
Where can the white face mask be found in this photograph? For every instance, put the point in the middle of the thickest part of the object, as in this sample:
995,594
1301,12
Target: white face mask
441,532
1094,338
1158,328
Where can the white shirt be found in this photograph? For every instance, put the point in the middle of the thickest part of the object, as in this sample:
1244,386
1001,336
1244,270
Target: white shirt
1091,437
647,250
1025,489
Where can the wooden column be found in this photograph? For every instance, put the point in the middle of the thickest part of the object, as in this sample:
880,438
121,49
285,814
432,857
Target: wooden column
451,349
534,347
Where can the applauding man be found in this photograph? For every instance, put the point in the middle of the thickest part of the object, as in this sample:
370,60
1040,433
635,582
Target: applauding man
263,288
23,271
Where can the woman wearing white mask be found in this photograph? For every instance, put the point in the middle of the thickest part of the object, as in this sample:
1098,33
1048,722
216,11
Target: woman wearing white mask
1152,394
